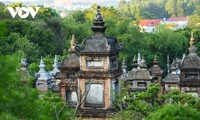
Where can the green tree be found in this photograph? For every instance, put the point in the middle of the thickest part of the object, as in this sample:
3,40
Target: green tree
174,112
70,27
19,26
171,7
162,43
154,11
180,9
150,104
194,21
144,102
4,28
7,43
44,39
29,49
55,107
175,97
128,115
17,100
79,16
20,101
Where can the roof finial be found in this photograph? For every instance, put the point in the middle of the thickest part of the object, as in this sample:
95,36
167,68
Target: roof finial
98,9
143,63
139,59
42,66
98,16
192,39
192,48
73,44
173,67
55,65
124,65
134,65
182,58
168,64
98,24
41,60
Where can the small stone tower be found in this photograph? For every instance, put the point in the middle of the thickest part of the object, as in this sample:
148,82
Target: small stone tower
172,79
139,77
190,71
55,76
43,82
69,82
124,75
156,71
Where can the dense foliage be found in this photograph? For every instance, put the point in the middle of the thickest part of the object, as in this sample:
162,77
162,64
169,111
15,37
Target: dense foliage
19,101
49,34
145,9
175,112
154,105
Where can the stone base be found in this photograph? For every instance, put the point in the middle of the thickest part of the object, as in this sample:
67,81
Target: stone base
95,114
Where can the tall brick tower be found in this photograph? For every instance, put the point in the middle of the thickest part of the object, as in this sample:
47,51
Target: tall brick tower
99,72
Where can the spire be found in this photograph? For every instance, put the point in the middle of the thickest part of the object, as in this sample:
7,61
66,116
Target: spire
173,67
98,23
73,45
182,58
55,65
134,65
41,66
124,65
192,39
155,61
143,63
139,59
155,69
43,78
192,49
168,64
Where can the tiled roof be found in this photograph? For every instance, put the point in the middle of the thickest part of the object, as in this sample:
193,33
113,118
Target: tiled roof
155,22
191,61
139,74
100,44
155,70
172,78
177,19
150,22
71,62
